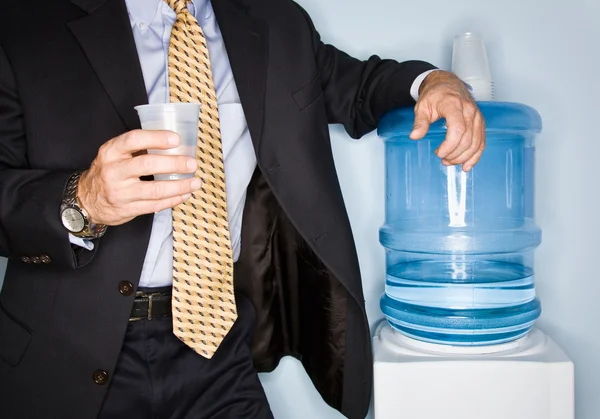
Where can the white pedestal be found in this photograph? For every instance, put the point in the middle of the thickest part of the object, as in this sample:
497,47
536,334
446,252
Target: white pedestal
530,379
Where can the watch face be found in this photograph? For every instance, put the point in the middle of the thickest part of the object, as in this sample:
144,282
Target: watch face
73,220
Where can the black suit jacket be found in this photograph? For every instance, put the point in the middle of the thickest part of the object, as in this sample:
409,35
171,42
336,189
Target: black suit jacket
69,79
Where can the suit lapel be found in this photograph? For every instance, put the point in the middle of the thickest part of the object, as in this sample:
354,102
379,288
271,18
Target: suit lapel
246,41
106,38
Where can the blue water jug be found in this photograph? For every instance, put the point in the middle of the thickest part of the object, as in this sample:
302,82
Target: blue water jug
460,246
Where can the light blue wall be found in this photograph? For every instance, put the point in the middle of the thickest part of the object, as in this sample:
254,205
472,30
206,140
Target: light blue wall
544,54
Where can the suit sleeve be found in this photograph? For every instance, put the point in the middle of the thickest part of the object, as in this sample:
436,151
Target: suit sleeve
30,198
357,93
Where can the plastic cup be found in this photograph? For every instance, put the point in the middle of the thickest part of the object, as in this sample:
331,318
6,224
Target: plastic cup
482,89
470,63
181,118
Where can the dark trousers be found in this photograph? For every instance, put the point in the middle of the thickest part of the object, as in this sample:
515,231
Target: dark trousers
159,377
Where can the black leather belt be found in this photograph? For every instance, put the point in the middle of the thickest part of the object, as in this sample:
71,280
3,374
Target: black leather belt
149,305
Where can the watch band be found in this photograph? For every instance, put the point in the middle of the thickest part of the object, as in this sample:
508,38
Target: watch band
71,203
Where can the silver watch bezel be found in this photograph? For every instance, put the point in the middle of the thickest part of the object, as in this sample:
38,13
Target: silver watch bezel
69,224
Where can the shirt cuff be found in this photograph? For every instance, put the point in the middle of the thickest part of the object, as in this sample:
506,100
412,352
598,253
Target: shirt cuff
77,241
414,89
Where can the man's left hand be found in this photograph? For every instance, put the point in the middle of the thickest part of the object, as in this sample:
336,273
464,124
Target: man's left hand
443,95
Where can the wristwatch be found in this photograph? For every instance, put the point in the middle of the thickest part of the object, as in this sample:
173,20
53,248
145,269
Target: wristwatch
74,217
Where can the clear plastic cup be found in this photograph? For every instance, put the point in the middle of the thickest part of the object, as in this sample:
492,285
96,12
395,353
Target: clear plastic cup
470,63
482,89
181,118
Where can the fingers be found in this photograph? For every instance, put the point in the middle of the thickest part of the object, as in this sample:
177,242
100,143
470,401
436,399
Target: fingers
468,123
134,141
468,165
474,146
473,153
457,128
149,207
124,194
160,190
151,164
111,190
423,119
466,141
446,96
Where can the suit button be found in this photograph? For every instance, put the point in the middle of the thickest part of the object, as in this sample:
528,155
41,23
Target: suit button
26,259
46,259
126,288
36,260
100,377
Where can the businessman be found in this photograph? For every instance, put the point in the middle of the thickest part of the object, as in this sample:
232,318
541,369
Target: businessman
128,297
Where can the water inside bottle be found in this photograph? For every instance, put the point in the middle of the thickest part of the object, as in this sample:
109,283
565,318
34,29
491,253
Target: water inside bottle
460,284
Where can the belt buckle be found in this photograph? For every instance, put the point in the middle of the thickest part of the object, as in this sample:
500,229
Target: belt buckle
141,294
150,301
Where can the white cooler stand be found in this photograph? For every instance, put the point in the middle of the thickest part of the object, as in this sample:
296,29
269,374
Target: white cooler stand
531,378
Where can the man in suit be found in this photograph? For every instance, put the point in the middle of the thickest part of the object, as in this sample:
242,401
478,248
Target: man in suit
86,312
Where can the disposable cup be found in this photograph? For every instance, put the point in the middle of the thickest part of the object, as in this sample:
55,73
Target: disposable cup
470,63
181,118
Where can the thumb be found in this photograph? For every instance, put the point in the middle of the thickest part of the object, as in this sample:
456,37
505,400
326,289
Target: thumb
421,126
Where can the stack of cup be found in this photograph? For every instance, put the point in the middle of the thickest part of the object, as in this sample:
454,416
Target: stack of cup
470,64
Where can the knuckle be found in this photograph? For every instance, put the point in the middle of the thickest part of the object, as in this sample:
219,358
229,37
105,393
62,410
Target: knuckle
455,101
105,174
132,139
458,128
159,206
103,152
459,159
470,107
176,163
146,163
112,196
158,191
183,188
467,139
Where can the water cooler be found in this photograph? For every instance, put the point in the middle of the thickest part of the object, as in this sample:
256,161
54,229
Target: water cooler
460,305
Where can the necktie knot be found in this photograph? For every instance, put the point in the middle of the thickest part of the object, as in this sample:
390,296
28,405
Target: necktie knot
178,6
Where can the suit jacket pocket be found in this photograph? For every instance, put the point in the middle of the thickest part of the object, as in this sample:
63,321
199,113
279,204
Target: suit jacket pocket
309,93
14,337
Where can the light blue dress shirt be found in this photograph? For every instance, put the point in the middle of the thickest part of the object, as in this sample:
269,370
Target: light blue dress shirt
151,22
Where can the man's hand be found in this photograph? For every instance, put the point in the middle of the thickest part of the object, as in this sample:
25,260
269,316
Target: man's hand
111,191
443,95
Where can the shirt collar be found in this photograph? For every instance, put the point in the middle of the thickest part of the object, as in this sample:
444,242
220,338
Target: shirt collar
201,9
146,10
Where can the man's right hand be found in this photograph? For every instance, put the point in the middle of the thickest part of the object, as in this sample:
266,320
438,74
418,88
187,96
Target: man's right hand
111,190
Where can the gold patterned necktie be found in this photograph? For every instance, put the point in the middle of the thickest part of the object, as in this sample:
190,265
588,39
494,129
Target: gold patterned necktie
204,307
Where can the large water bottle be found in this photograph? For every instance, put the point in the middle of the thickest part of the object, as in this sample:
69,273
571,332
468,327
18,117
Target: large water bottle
460,246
